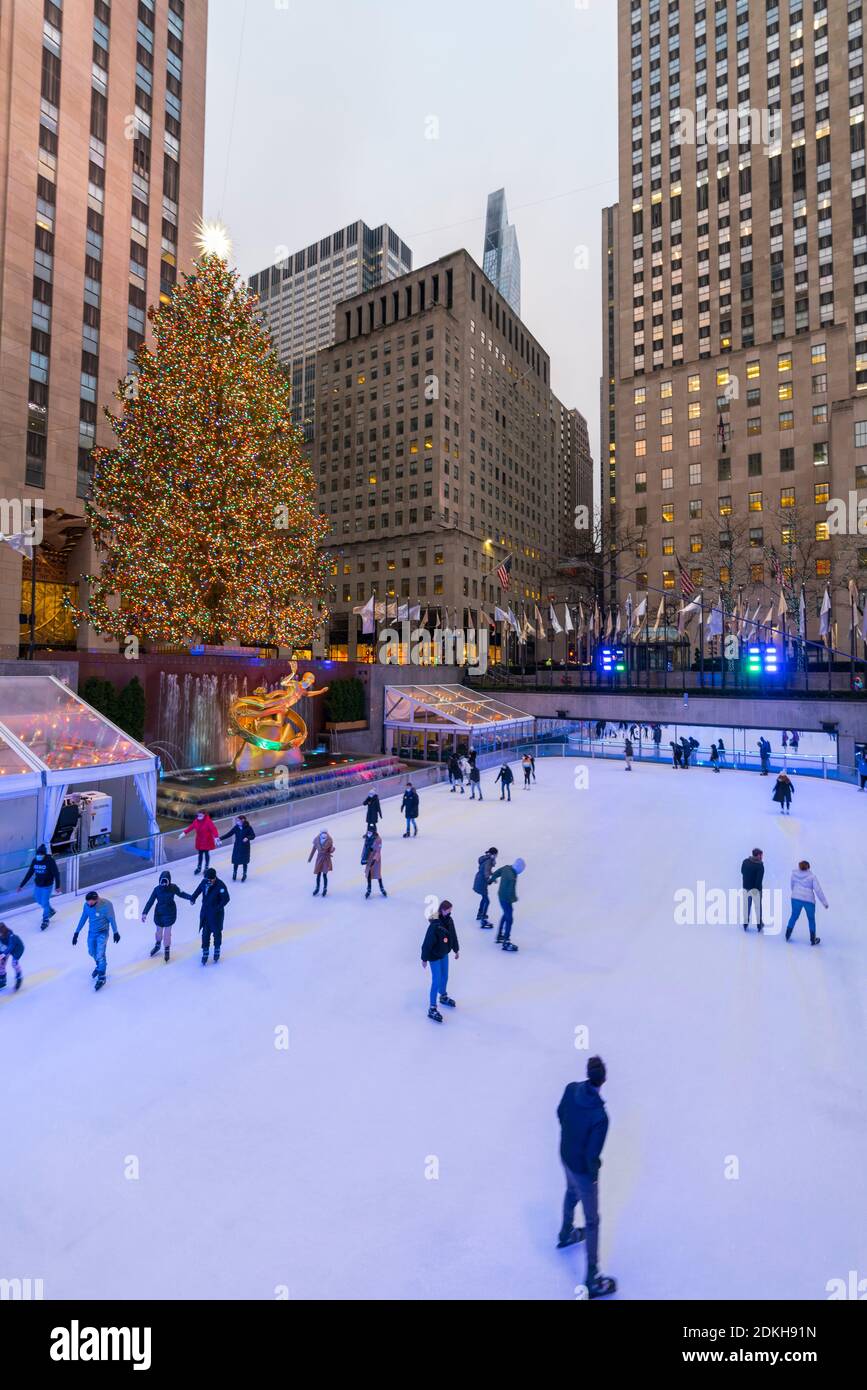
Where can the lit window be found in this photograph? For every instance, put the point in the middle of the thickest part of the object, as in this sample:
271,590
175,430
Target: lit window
694,439
725,506
665,389
823,569
820,415
695,545
668,579
821,493
668,545
754,370
785,391
723,376
640,395
784,362
640,422
819,354
787,497
693,383
695,410
755,501
757,574
666,416
668,512
787,420
640,448
821,530
666,443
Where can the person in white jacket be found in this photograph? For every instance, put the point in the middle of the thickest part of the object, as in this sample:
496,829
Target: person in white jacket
806,888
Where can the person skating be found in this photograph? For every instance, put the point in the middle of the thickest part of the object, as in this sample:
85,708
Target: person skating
373,809
628,753
475,783
861,763
11,948
764,756
163,901
481,884
465,766
98,913
722,750
752,878
795,740
214,895
533,766
505,777
323,848
686,751
784,790
508,896
206,838
528,770
714,757
371,858
676,754
439,940
46,877
657,738
409,807
241,834
456,776
583,1129
806,888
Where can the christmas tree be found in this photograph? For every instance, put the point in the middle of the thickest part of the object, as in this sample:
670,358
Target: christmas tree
204,515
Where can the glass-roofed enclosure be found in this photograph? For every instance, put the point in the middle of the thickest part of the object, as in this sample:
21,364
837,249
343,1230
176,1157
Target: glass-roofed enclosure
427,723
70,779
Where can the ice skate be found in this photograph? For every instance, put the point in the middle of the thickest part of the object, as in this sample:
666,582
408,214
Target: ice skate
99,984
167,955
815,940
19,980
156,950
449,1003
573,1237
601,1286
316,892
434,1013
205,958
509,946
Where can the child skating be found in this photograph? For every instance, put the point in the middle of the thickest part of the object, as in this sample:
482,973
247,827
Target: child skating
11,948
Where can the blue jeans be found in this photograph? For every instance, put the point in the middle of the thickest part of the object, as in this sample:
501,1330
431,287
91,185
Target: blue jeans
411,822
42,896
482,914
506,919
96,944
799,906
439,979
507,791
473,786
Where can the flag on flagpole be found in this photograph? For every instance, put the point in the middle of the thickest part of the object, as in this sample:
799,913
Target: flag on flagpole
367,613
504,573
569,625
714,626
609,628
500,616
687,613
782,606
628,614
660,616
802,615
554,620
640,614
540,622
687,587
20,541
825,615
582,621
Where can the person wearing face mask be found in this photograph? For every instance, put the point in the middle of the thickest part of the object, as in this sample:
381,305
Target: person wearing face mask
162,900
241,834
323,848
214,895
508,896
207,838
46,877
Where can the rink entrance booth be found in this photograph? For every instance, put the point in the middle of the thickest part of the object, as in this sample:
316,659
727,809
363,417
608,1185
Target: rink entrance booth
72,780
428,723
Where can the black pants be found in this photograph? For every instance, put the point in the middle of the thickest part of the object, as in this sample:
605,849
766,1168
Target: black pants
235,868
216,932
370,885
322,878
206,855
754,897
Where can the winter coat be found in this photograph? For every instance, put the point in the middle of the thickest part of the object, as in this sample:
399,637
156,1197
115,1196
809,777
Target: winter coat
505,775
241,836
465,767
205,832
628,750
455,769
583,1127
323,855
752,874
806,888
483,873
166,910
44,872
214,895
475,775
783,791
371,856
100,919
13,946
440,938
409,805
507,891
374,809
862,765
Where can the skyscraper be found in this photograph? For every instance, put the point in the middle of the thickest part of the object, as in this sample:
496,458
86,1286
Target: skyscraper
297,297
737,300
501,260
101,167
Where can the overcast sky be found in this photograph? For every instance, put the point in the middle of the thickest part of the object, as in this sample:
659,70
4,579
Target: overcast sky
321,112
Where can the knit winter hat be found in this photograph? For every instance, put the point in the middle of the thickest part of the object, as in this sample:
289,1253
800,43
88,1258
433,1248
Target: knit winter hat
519,866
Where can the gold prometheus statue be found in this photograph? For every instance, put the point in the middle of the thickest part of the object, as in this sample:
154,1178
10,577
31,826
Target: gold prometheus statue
266,719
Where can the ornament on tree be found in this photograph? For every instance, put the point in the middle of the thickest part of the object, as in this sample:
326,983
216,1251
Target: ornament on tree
204,514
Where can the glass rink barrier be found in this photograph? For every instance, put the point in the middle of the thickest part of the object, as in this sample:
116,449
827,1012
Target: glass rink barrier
806,752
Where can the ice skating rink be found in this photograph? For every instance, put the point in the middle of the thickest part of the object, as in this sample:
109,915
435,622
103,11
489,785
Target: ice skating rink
159,1144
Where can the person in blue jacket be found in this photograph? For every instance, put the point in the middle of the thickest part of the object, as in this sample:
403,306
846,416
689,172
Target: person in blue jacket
583,1128
163,900
11,948
46,877
241,834
98,913
214,895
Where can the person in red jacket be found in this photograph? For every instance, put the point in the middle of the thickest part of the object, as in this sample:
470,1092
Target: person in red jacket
207,838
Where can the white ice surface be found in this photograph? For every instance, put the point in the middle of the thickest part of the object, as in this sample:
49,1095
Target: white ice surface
305,1168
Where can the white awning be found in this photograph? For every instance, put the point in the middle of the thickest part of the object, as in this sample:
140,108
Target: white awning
452,707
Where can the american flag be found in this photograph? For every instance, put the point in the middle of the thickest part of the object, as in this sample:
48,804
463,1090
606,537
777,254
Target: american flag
504,573
780,576
687,588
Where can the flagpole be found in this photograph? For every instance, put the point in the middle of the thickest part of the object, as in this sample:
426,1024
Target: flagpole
32,642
